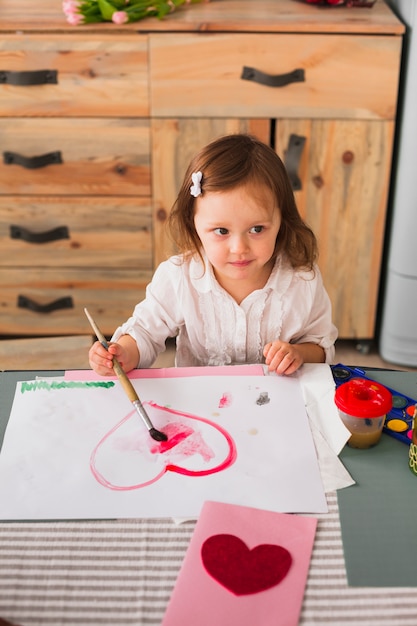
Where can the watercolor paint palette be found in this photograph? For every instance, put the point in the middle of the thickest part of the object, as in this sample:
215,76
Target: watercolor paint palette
399,421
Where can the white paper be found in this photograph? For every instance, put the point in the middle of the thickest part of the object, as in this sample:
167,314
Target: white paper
78,451
318,389
329,433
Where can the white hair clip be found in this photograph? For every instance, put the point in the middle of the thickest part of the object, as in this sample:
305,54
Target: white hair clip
195,188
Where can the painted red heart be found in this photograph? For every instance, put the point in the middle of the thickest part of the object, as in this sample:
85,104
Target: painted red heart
241,570
186,451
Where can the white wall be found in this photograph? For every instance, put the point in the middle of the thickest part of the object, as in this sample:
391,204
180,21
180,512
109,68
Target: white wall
398,339
402,249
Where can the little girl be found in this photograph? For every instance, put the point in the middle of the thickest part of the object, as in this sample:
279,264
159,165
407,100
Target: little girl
245,287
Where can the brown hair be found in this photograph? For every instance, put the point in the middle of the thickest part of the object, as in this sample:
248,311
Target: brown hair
233,161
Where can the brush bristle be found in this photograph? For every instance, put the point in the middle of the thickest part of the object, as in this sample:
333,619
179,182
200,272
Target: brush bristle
157,435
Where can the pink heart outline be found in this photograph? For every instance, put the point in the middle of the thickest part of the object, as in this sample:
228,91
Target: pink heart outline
227,462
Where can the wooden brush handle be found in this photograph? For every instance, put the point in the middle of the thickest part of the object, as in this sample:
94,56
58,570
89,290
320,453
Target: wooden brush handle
126,384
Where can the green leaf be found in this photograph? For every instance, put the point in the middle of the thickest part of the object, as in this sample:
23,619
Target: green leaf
107,9
102,10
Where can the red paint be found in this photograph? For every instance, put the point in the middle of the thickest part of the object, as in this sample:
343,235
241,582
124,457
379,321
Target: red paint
225,400
176,434
184,441
410,410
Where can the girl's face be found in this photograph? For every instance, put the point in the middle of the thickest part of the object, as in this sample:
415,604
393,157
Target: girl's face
238,229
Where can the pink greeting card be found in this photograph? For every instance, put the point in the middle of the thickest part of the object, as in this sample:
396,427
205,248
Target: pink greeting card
244,566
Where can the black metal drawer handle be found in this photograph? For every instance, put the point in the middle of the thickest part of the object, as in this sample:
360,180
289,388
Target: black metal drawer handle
19,232
61,303
279,80
32,163
26,78
292,157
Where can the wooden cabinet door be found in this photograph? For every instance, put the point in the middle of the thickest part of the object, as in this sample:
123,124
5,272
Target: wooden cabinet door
344,172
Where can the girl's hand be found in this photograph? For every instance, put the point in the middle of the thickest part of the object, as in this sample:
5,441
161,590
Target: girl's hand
125,351
283,358
101,360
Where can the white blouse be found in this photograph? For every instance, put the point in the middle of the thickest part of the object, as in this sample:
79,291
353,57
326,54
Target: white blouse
184,300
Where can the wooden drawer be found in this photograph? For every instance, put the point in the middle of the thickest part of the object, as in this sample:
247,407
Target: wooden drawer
349,76
43,301
99,156
76,232
95,75
45,353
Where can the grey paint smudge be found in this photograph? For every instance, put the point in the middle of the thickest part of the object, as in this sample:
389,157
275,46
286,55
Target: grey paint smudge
263,398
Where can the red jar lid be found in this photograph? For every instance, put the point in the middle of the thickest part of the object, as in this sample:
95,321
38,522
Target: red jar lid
363,398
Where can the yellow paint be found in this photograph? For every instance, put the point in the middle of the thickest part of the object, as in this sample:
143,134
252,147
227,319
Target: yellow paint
396,425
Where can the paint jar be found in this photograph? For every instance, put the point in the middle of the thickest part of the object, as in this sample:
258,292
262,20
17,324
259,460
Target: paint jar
363,405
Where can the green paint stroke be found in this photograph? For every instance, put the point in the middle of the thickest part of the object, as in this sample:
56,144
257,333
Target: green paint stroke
64,384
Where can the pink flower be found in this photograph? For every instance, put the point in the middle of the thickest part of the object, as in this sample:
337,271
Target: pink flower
69,6
120,17
89,11
74,19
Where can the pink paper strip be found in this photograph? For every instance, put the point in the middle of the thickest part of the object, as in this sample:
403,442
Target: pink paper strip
173,372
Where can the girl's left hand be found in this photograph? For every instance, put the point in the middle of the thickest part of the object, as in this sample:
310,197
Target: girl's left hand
282,357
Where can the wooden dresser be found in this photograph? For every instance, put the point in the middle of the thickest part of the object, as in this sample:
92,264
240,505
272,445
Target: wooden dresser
97,124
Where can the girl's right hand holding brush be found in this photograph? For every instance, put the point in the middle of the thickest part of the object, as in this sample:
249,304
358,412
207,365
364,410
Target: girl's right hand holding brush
125,351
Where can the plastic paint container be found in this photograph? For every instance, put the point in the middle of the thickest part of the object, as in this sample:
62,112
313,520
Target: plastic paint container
363,405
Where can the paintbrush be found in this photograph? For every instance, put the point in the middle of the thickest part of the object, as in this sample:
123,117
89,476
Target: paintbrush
127,385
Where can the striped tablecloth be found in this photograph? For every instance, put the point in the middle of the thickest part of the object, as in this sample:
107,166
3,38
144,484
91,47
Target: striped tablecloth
122,572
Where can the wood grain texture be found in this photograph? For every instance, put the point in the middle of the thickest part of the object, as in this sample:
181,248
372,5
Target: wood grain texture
95,76
48,353
109,294
346,76
102,232
100,156
217,15
345,170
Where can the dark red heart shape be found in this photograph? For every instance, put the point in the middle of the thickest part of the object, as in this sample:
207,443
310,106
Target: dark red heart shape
242,571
